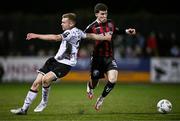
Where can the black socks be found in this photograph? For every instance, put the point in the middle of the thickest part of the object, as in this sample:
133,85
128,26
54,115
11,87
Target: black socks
109,86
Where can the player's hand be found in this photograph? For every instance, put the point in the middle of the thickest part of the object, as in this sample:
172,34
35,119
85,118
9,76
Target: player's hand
108,35
31,36
131,31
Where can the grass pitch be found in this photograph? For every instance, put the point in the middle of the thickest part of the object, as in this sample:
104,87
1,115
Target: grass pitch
68,102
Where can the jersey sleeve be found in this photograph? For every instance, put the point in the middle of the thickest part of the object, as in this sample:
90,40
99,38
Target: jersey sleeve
119,31
88,29
83,34
66,35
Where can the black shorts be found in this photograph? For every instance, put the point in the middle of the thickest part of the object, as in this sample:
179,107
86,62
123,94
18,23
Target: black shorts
100,65
59,69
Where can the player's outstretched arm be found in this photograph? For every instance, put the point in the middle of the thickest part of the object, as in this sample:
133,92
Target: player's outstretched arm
48,37
130,31
98,37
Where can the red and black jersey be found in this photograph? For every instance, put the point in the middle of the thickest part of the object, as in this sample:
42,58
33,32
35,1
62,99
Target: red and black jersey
103,48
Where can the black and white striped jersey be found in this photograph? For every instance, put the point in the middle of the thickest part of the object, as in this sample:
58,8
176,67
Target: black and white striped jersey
69,46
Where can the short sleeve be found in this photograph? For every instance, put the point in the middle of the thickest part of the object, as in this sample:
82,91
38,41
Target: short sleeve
66,35
83,34
119,31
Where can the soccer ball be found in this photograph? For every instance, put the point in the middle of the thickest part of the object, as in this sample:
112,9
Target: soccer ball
164,106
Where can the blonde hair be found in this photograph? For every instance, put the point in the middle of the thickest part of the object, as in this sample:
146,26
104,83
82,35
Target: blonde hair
70,16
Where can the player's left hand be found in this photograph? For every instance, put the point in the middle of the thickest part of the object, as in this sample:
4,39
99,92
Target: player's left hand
131,31
31,36
108,35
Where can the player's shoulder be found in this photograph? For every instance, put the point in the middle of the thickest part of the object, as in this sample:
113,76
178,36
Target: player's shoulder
76,30
92,24
66,33
71,31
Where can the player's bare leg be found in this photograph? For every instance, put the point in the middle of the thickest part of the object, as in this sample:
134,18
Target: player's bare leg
112,78
90,87
31,95
46,82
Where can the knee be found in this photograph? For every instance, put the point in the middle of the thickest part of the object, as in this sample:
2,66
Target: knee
35,85
45,81
113,79
112,76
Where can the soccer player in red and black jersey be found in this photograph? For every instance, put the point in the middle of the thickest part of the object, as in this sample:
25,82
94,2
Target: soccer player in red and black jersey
103,61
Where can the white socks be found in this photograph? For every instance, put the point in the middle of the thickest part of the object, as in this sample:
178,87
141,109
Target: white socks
45,94
31,95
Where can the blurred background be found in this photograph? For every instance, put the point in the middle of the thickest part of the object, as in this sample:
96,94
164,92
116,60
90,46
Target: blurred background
151,56
148,63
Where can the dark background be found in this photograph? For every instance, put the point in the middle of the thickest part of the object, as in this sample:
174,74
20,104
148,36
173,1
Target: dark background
19,17
115,6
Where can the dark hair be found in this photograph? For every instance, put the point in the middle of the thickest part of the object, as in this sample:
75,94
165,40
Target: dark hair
70,16
100,7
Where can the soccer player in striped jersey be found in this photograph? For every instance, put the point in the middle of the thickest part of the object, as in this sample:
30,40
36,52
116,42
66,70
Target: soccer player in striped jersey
103,61
59,65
